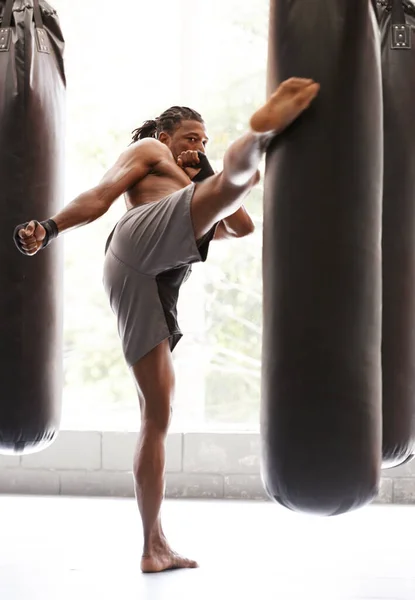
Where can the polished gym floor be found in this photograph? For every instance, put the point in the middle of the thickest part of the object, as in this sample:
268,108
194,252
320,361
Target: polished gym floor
87,549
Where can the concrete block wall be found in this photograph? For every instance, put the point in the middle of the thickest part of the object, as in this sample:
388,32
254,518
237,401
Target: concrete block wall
199,465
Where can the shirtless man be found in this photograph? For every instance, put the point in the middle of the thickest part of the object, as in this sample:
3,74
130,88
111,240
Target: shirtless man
169,223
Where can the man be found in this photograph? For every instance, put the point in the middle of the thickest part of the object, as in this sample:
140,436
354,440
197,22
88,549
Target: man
169,223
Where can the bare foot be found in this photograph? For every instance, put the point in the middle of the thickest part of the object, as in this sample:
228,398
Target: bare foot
163,558
289,100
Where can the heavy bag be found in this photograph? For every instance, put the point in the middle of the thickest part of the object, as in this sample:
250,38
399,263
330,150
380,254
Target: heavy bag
32,93
397,19
321,378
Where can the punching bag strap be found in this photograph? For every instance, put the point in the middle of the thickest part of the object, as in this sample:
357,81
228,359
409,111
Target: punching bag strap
401,32
8,11
41,35
37,15
42,41
5,32
7,14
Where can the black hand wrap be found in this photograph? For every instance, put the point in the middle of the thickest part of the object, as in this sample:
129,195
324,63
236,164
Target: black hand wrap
51,233
205,168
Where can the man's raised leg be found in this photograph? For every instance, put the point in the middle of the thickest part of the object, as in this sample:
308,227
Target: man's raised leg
154,375
221,195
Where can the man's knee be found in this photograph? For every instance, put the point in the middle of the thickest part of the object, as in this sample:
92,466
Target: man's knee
214,200
157,419
155,380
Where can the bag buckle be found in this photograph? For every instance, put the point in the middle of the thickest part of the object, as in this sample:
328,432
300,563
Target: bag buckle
5,38
401,37
42,40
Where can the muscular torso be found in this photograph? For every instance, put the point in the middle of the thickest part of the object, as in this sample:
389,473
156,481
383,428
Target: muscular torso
162,181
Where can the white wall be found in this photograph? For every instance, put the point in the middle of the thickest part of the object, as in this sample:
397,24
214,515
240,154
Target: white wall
199,465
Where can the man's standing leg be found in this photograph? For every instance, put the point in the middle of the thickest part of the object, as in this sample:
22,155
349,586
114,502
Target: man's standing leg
154,375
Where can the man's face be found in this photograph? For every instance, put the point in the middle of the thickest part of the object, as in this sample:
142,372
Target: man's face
189,135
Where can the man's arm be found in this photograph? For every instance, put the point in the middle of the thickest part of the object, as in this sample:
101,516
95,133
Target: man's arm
237,225
133,164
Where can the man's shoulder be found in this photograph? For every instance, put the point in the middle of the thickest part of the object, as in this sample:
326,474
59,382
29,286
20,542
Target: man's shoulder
149,147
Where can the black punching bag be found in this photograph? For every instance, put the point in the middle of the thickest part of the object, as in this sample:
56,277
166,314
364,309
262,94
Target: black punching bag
321,396
32,93
397,19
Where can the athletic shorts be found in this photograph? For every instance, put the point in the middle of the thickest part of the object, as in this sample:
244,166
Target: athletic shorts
148,257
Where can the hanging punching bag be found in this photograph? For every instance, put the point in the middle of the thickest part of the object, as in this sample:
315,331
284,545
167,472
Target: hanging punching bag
397,18
321,379
32,92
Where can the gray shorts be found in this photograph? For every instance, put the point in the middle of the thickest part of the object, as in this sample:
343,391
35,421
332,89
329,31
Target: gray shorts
148,257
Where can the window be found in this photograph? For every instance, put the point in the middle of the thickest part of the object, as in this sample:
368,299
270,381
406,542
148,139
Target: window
126,65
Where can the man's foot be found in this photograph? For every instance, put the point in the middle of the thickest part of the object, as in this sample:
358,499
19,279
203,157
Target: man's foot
162,558
289,100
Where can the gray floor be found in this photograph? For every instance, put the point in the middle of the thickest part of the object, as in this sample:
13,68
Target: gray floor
61,548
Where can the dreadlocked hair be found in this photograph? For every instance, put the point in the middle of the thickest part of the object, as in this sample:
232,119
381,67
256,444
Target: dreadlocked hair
167,121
